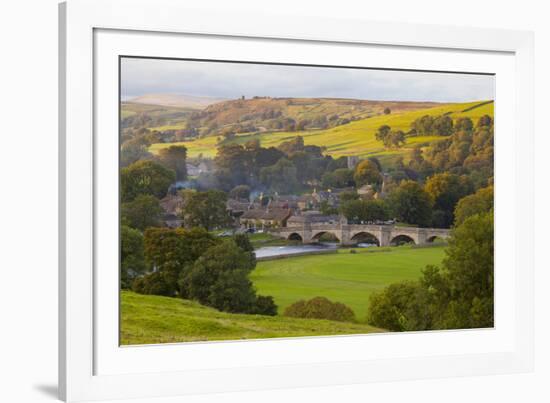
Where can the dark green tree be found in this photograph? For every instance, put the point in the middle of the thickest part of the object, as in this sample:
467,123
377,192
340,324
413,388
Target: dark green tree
446,190
411,204
142,212
175,158
281,177
132,259
145,178
205,209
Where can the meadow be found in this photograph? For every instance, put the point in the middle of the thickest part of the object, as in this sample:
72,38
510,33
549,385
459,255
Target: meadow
355,138
342,277
152,319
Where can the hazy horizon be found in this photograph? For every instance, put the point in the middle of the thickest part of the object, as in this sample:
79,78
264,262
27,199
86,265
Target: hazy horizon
232,80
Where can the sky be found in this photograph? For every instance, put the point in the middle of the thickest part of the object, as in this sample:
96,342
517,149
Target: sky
233,80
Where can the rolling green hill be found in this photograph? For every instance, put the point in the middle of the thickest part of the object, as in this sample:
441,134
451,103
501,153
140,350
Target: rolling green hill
151,319
342,277
355,138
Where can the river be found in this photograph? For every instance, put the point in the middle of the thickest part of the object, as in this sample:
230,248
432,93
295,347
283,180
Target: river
271,251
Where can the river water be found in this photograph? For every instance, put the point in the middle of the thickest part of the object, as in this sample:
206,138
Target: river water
270,251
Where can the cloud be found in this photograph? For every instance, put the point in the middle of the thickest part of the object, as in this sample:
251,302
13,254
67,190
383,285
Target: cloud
231,80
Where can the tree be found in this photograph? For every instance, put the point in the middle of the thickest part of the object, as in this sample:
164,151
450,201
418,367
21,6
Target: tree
240,192
132,151
423,125
219,278
366,172
132,260
463,124
233,165
464,286
477,203
457,295
411,204
145,178
205,209
446,190
290,147
382,132
387,111
394,139
443,125
170,250
280,177
364,210
326,209
347,196
175,158
142,212
339,178
485,121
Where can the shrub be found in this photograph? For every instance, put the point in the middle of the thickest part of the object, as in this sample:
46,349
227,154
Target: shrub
152,283
320,308
265,306
400,307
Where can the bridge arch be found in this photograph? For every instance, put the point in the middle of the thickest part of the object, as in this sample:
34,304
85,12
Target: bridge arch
401,239
319,234
365,237
295,237
435,238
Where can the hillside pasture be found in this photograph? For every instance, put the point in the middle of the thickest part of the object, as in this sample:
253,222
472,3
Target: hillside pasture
151,319
355,138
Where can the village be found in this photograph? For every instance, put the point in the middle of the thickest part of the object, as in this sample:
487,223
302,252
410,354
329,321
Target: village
263,212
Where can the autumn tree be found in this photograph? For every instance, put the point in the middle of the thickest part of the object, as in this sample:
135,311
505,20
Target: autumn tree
480,202
446,190
367,172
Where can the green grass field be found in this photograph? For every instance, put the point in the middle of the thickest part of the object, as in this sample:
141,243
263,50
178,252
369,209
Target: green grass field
342,277
355,138
151,319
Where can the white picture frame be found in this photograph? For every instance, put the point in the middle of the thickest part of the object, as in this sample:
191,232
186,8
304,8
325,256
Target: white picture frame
91,364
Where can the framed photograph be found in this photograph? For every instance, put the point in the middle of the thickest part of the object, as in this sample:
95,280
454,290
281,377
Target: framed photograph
249,202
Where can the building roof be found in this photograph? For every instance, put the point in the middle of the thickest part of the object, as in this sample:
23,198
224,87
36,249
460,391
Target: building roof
313,217
171,203
272,214
238,205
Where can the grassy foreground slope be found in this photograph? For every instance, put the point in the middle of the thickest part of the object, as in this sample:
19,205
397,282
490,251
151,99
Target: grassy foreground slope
355,138
342,277
151,319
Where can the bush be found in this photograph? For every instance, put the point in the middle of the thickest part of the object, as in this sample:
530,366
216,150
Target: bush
320,308
265,306
400,307
152,283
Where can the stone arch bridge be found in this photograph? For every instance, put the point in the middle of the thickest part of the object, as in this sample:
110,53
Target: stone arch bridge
349,234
